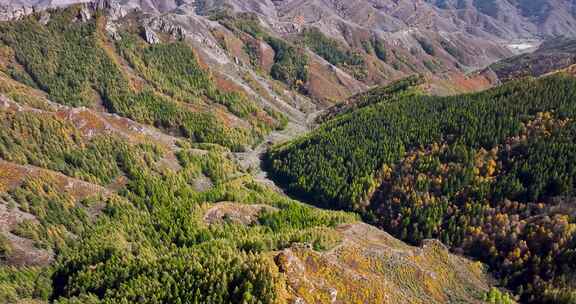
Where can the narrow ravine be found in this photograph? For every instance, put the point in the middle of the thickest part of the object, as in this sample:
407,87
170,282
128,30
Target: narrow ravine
251,160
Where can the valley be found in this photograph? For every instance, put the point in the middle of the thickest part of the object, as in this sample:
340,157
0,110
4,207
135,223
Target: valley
294,151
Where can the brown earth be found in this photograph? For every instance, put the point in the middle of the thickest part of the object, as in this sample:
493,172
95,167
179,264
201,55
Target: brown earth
235,212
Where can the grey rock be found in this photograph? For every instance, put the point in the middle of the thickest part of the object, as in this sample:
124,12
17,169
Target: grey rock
44,18
9,13
150,36
113,8
164,25
112,31
85,14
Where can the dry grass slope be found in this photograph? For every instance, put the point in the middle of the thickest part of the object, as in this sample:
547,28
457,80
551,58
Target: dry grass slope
370,266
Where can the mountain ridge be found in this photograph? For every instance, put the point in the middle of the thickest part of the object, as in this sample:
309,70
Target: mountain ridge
113,203
161,112
421,36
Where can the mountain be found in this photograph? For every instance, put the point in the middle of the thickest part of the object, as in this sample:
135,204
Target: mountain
490,174
378,41
133,132
515,18
129,172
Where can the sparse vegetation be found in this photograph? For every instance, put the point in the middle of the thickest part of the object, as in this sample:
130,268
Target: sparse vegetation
290,62
452,50
66,60
333,51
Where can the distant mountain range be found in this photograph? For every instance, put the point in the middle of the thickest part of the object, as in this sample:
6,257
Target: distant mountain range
509,19
377,41
506,19
515,18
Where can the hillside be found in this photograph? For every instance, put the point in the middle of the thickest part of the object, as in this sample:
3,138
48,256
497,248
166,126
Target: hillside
490,174
516,17
132,133
370,42
551,56
122,181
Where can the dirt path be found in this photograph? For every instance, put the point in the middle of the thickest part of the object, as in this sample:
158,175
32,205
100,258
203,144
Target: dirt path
252,160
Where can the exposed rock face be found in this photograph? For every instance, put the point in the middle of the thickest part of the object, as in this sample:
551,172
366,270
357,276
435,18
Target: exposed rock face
164,25
150,36
482,33
498,18
8,12
544,17
112,31
114,10
15,10
266,56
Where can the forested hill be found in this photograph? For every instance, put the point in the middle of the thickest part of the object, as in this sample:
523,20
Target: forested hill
78,65
121,181
492,175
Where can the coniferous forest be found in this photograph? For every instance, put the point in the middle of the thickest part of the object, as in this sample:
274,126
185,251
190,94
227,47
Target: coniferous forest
122,177
76,66
491,174
148,241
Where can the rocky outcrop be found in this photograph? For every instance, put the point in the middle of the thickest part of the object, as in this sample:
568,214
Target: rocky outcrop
164,25
9,13
113,8
150,36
